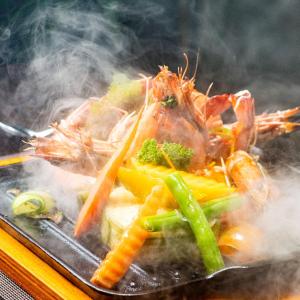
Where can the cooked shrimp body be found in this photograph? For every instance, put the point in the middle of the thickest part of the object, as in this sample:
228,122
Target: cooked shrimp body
249,177
175,112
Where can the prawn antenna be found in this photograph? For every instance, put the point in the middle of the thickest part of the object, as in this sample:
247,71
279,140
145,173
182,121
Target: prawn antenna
147,79
196,67
186,65
209,89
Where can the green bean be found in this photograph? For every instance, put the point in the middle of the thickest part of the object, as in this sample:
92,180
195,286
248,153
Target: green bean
174,218
194,214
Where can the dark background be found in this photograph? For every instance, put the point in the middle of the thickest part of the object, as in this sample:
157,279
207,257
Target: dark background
241,44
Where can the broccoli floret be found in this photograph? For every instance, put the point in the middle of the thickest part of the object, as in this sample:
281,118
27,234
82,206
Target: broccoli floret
178,154
151,153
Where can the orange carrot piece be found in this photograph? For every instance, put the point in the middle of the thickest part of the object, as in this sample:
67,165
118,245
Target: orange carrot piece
118,260
100,192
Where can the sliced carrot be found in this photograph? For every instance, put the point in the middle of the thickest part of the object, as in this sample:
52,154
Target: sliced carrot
118,260
99,194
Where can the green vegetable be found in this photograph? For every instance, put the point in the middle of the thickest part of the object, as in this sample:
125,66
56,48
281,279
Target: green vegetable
170,102
194,214
150,153
211,209
32,203
178,154
168,220
216,207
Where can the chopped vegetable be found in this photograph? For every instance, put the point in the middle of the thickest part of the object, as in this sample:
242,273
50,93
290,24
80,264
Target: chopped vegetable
174,218
203,188
118,260
178,154
100,192
191,209
139,183
32,204
115,221
121,196
168,220
150,153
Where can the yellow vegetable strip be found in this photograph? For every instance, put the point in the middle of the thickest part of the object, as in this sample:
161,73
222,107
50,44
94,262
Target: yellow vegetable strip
203,189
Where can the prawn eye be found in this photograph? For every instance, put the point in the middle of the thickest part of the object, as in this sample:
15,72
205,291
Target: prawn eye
170,102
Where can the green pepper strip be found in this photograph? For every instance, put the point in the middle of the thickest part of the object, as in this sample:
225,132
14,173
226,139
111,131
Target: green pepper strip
174,218
194,214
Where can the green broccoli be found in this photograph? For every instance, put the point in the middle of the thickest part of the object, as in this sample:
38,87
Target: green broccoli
178,154
151,153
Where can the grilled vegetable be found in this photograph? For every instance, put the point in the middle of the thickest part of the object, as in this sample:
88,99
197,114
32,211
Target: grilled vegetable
203,189
191,209
100,192
168,220
115,221
33,204
152,153
178,154
118,260
174,218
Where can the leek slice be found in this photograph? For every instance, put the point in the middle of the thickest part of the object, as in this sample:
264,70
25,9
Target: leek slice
33,203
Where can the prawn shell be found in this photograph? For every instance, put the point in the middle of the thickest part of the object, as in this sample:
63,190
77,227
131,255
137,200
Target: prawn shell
249,177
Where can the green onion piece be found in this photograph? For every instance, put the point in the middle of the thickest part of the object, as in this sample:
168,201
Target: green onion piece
166,220
190,208
216,207
32,203
174,218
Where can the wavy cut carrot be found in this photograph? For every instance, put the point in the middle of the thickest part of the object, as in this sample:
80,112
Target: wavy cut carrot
118,260
99,194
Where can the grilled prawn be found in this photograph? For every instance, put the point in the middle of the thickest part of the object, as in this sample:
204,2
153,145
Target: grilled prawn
175,112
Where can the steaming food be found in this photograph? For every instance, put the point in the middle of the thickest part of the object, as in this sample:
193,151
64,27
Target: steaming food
33,203
182,166
36,204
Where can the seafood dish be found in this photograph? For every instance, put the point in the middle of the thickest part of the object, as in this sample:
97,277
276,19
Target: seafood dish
168,170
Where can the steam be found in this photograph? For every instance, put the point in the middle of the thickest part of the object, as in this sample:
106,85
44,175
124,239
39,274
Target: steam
72,52
62,185
280,220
